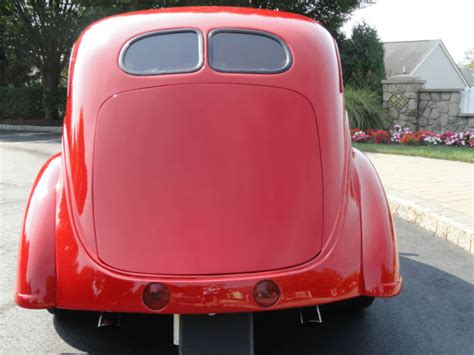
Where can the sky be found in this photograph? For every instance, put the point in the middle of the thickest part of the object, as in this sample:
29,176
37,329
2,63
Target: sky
404,20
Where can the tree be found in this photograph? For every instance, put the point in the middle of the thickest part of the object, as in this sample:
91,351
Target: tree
47,28
15,62
468,61
330,13
362,57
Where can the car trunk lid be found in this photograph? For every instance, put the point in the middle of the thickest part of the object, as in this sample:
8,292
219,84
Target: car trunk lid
207,179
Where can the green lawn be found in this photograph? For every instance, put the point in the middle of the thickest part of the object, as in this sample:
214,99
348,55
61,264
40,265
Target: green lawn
437,152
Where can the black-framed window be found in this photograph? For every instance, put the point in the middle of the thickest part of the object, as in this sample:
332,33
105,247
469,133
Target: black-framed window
163,52
247,51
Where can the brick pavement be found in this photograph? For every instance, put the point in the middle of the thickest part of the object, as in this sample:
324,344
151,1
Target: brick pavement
435,194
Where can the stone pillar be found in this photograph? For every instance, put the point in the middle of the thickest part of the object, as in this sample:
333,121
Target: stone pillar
400,99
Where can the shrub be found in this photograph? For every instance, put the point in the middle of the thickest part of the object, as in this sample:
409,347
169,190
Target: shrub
359,136
409,139
364,108
20,102
428,137
378,136
463,139
405,136
27,102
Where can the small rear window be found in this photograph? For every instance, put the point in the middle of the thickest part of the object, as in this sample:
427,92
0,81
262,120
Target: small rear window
163,53
244,51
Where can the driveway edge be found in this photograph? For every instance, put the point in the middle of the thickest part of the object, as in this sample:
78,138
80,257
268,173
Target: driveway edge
433,222
28,128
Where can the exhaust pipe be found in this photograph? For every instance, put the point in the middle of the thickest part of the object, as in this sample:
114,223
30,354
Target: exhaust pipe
108,319
310,315
176,328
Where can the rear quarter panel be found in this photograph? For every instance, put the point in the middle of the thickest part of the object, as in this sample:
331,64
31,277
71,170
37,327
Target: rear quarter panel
36,276
380,264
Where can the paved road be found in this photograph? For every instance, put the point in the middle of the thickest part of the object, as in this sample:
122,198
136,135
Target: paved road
434,313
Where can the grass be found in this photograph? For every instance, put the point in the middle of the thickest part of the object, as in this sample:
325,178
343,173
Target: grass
463,154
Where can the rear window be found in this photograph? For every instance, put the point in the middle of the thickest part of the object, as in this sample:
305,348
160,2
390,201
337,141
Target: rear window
243,51
163,52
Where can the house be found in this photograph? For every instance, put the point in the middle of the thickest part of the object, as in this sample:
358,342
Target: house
428,60
468,74
425,89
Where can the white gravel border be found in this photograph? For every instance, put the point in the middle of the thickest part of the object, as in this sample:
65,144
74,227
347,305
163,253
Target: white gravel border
440,226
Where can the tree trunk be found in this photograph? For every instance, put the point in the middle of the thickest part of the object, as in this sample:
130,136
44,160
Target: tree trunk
50,78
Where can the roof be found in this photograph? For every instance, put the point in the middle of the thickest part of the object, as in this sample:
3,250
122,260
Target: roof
404,57
96,53
217,12
468,74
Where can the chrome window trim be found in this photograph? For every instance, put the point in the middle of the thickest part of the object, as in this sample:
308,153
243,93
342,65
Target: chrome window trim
127,45
289,56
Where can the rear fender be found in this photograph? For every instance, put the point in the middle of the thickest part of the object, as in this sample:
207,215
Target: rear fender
36,276
380,264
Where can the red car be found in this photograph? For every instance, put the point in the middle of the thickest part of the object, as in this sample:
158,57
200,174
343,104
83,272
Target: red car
206,168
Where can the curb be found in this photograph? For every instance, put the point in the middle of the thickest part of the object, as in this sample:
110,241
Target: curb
435,223
28,128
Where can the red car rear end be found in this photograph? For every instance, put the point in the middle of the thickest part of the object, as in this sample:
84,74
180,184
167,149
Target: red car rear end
206,168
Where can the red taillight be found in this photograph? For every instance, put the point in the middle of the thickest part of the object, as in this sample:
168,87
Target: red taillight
266,293
156,296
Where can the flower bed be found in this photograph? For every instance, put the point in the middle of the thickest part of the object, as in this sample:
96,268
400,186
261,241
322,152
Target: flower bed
399,135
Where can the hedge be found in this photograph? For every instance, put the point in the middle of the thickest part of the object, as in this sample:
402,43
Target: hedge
26,102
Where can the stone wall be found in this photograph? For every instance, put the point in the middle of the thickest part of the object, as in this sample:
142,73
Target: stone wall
411,105
439,111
